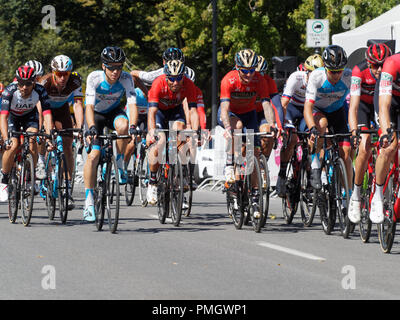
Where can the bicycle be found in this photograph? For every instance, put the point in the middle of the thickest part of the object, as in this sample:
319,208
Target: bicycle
106,192
298,188
333,198
55,186
76,145
246,186
21,183
170,179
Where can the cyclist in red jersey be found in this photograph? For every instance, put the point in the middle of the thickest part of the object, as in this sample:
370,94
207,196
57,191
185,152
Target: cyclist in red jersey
387,99
165,105
239,91
361,114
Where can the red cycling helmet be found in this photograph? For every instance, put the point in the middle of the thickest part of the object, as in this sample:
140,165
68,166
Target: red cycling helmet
301,67
377,53
25,73
1,88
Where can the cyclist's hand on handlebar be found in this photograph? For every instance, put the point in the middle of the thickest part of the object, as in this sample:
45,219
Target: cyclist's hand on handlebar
91,134
355,139
50,146
133,131
386,139
7,144
313,133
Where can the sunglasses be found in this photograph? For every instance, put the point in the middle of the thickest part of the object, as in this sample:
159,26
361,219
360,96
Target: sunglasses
116,67
62,73
178,78
376,65
27,83
247,71
335,71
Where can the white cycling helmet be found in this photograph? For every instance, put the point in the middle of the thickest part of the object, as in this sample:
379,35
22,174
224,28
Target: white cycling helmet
61,63
37,66
190,73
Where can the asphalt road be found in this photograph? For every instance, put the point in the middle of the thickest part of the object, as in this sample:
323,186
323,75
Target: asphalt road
204,258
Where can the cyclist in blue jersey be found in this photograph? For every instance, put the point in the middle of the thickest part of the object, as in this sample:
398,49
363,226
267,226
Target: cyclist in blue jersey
104,90
325,104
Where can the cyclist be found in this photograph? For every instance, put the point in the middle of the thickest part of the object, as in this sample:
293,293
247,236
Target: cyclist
104,90
165,105
325,104
387,101
239,91
168,55
290,109
64,87
361,113
18,109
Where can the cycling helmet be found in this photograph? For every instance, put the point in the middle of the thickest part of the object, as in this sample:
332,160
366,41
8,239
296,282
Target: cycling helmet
262,64
25,73
246,58
313,62
190,73
112,54
334,57
174,68
377,53
301,67
37,66
61,63
173,54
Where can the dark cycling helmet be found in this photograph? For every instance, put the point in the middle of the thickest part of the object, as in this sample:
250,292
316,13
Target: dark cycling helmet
174,68
262,64
313,62
377,53
173,54
334,57
25,73
112,55
246,58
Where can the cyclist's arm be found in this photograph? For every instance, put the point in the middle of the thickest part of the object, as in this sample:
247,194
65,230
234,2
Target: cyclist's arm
48,121
385,99
139,83
151,118
4,125
225,113
187,113
78,111
133,114
268,112
89,115
195,118
353,111
40,111
308,114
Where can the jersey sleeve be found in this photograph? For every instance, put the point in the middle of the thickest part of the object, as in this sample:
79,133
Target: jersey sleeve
191,93
154,94
389,71
77,81
273,88
263,90
44,99
6,97
226,90
356,79
149,77
90,89
290,86
312,87
129,87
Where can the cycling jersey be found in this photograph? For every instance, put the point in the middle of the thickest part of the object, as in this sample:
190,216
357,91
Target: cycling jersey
242,97
72,90
106,97
272,89
295,88
12,101
363,82
390,76
160,96
324,95
200,108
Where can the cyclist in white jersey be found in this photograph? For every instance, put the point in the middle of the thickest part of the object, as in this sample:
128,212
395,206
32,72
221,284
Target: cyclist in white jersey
290,108
104,90
326,104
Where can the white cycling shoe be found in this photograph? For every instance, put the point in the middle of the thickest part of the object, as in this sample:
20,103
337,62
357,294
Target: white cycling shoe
376,213
354,210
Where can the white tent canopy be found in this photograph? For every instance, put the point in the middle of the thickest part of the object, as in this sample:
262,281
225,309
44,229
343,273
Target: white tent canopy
385,27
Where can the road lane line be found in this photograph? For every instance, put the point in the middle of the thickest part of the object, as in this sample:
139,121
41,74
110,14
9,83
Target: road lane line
290,251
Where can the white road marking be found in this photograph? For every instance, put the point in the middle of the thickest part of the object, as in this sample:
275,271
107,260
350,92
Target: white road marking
290,251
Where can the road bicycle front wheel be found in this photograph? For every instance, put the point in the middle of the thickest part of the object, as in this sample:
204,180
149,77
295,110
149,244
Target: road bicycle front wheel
342,197
27,189
63,189
49,187
365,224
13,194
143,176
176,180
163,198
265,188
130,186
189,194
255,181
387,229
112,194
308,198
291,200
100,197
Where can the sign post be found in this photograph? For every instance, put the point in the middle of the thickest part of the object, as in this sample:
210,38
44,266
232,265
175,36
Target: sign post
317,33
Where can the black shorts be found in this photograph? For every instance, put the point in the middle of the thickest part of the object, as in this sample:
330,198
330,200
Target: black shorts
16,123
337,121
365,114
102,120
62,118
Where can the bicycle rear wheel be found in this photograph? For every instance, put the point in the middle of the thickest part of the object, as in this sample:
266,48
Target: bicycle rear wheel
387,229
307,197
324,202
342,197
13,194
63,189
176,179
112,194
234,204
27,189
130,186
49,185
265,188
74,152
291,200
100,197
189,193
163,189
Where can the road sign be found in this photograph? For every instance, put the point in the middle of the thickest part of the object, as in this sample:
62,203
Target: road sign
317,33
